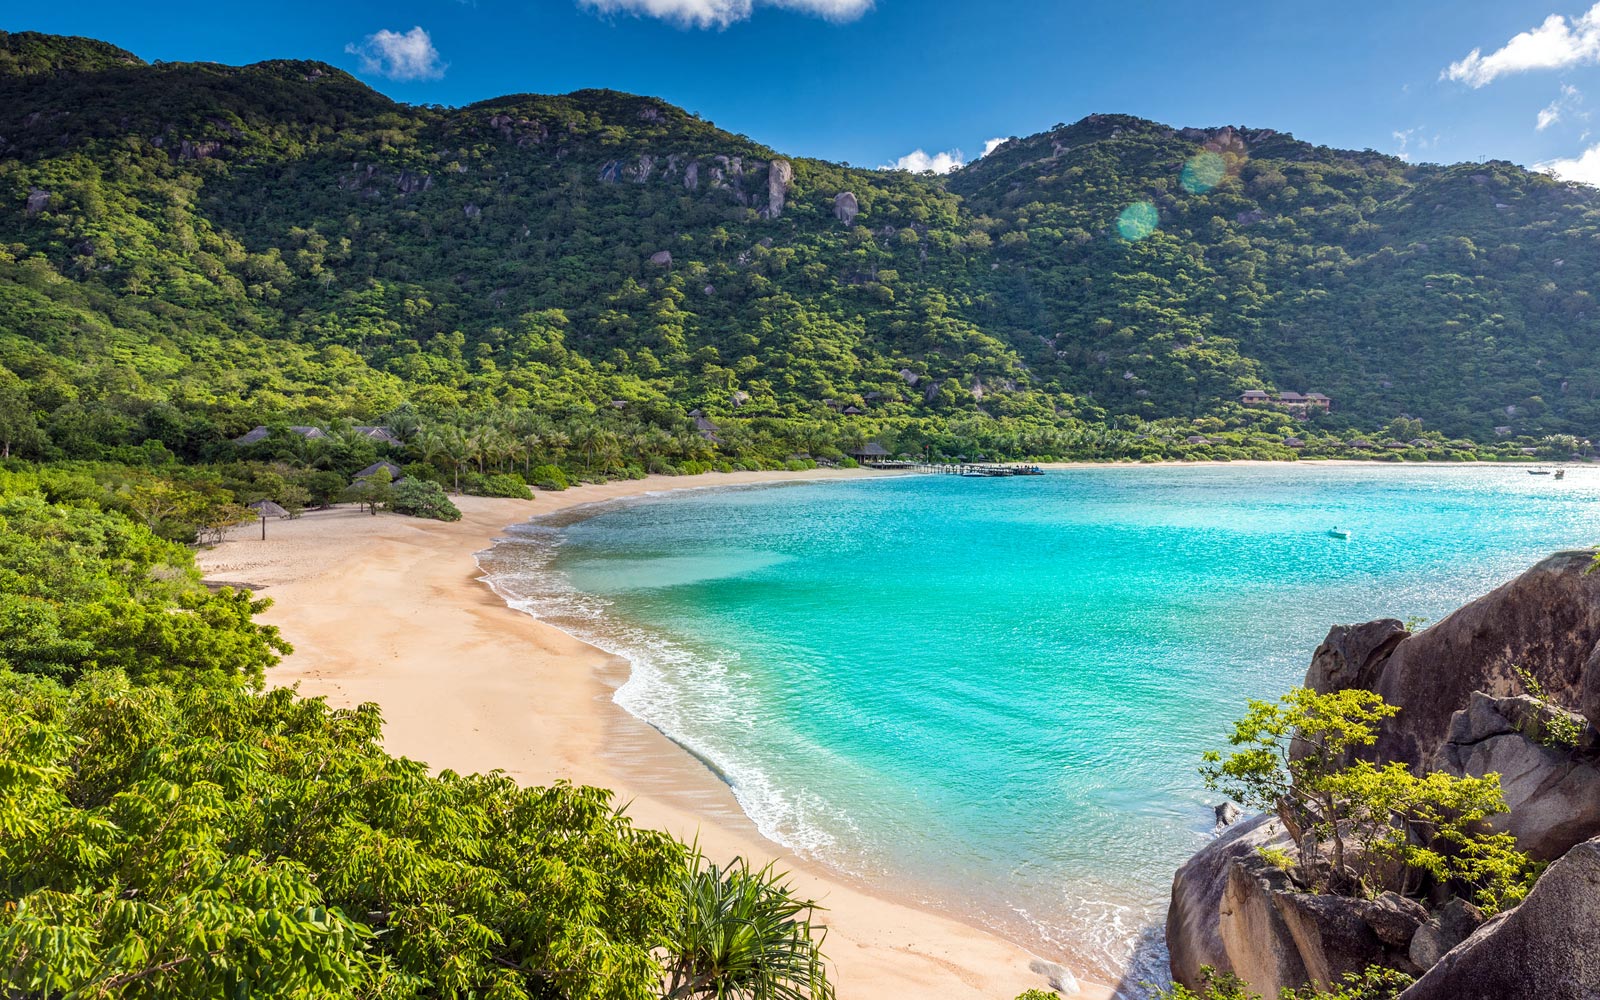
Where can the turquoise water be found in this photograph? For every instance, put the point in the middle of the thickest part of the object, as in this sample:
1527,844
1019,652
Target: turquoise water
991,694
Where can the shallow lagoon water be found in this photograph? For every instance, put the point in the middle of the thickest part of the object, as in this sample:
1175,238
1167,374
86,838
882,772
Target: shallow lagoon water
992,694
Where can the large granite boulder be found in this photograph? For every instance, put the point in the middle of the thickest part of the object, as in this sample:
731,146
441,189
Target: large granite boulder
779,176
1445,928
1351,654
1553,793
1257,939
1194,932
1331,937
1546,621
1547,948
846,207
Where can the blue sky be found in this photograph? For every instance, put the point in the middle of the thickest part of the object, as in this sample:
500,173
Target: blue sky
870,81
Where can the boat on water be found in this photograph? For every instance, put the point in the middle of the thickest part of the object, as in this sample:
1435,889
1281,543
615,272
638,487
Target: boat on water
1538,472
1343,533
1561,473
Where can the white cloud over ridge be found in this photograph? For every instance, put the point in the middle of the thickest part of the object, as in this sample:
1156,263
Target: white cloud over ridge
721,13
920,161
1584,168
1557,43
399,55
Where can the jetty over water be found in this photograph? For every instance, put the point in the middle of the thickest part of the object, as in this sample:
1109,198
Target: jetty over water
973,470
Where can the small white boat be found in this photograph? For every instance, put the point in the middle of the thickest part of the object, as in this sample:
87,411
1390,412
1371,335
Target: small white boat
1343,533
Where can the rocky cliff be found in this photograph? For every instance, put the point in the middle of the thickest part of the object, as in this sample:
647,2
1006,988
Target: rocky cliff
1465,708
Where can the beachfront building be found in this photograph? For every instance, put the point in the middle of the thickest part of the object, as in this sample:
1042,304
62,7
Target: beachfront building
870,453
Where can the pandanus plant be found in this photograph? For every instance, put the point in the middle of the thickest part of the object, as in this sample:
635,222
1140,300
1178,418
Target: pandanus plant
742,934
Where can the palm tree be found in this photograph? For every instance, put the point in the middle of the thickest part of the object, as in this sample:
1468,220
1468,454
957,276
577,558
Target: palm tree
445,441
742,934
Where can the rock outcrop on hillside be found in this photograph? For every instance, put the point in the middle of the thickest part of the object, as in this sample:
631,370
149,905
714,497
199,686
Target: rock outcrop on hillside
1464,710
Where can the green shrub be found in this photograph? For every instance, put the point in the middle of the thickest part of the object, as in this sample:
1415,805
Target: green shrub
422,498
424,471
503,484
548,477
848,463
160,843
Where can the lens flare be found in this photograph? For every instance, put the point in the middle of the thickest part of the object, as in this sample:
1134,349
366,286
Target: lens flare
1138,221
1203,172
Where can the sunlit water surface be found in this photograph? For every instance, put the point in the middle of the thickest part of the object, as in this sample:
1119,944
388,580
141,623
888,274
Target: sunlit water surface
992,694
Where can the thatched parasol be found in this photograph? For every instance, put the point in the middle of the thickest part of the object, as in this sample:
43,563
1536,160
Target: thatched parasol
266,509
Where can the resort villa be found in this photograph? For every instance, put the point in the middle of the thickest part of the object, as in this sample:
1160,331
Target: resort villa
1295,402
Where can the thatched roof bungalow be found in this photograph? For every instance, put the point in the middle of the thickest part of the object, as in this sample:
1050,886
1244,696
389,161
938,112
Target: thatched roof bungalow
261,432
395,472
870,452
382,435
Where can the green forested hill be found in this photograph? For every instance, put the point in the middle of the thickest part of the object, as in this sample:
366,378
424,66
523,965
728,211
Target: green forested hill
187,250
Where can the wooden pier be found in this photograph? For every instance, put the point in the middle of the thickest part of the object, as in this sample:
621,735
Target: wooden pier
972,470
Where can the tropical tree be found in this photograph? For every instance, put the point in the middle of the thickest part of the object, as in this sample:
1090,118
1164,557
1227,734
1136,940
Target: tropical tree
1297,761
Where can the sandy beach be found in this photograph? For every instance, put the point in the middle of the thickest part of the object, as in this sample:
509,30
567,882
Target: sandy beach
391,610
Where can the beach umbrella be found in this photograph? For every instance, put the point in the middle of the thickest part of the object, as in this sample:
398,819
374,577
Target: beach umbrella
266,508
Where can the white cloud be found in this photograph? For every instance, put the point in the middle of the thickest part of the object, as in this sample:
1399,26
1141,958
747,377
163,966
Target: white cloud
1566,104
918,161
1584,168
992,145
721,13
399,55
1557,43
1402,138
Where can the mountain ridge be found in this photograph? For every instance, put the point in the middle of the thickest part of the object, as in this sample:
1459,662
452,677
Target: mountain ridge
566,250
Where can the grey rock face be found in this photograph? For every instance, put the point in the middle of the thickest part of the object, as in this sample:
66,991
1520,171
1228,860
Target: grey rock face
1553,792
845,207
779,176
1452,924
1194,931
1394,918
1547,948
38,201
1331,935
1258,941
1351,654
1546,621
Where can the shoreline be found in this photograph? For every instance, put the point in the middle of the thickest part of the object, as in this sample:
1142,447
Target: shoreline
397,611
